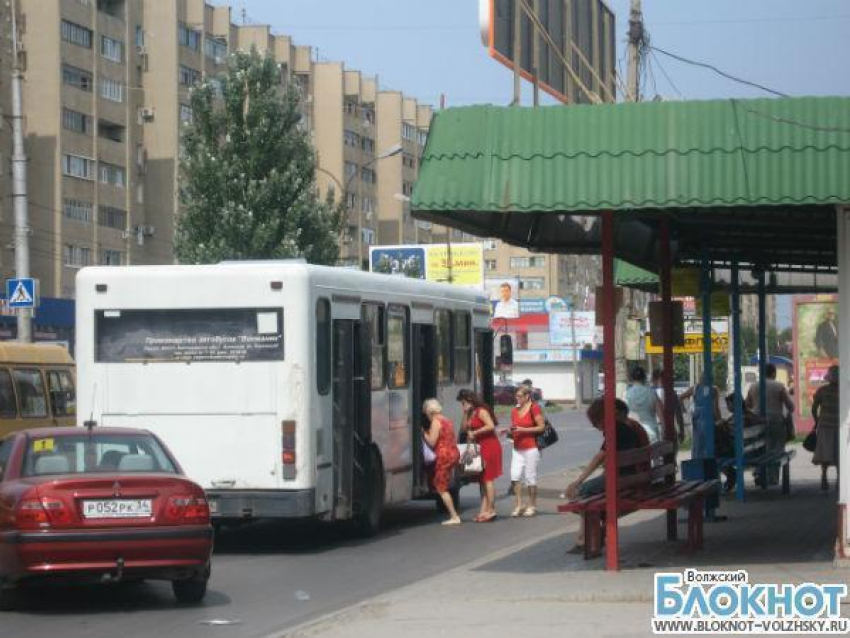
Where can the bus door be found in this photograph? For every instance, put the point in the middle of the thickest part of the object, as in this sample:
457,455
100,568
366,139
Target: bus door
351,425
484,364
424,387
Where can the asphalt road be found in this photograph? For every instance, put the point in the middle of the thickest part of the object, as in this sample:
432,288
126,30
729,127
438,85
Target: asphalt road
269,577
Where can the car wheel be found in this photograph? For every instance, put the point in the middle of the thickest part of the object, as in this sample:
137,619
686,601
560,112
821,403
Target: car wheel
368,521
190,590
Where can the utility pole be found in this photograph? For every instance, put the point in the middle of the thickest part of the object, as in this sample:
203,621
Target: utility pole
19,180
636,38
517,51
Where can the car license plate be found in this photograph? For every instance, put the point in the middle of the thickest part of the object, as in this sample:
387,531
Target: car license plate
213,506
118,508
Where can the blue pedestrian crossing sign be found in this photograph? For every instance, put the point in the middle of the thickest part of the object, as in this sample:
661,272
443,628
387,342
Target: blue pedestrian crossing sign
20,293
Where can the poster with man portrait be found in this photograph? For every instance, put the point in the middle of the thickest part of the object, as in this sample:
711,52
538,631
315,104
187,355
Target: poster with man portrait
815,324
503,293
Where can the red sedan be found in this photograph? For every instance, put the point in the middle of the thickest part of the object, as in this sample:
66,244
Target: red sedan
99,505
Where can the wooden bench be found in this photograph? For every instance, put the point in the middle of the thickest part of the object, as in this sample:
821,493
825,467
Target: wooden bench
757,457
651,486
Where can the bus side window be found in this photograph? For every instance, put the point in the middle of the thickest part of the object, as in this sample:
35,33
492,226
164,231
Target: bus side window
60,387
398,328
373,318
323,346
462,348
443,319
30,392
8,409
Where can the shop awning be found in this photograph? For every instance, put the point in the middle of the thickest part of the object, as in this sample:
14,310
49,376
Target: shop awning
753,181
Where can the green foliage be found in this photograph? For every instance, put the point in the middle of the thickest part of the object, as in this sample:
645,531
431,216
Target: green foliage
248,172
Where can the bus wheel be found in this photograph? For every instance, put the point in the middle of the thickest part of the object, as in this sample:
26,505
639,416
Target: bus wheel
368,521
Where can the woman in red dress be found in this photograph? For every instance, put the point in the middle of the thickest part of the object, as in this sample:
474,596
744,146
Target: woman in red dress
479,423
440,436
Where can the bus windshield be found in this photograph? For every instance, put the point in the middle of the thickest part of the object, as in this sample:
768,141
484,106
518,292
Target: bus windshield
189,335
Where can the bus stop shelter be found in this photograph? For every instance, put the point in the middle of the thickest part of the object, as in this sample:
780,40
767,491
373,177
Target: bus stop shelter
757,186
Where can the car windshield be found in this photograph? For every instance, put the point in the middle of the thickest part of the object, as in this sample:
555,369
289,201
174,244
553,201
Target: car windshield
94,453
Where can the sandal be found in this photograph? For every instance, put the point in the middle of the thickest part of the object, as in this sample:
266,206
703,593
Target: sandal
486,518
451,521
518,511
529,512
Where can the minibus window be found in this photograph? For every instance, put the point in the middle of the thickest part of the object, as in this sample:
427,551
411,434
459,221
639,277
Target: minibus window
323,346
8,409
30,393
61,388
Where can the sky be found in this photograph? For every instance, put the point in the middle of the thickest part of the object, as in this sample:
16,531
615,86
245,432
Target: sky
426,48
429,48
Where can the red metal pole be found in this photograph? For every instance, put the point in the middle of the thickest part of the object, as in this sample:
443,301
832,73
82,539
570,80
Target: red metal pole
612,502
667,328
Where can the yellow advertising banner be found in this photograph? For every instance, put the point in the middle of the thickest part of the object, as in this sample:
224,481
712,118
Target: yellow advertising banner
467,266
693,344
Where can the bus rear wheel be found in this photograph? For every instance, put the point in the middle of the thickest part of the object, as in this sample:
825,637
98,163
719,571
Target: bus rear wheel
367,522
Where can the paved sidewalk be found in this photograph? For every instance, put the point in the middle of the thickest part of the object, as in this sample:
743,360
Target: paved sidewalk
535,589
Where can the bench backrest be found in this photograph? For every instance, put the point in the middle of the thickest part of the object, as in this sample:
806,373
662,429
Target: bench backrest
652,464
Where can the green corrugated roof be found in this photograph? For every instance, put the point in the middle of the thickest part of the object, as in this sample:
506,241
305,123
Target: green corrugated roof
637,156
750,181
626,274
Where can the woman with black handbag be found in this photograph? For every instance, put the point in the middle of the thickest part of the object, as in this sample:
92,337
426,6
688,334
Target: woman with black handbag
527,423
825,412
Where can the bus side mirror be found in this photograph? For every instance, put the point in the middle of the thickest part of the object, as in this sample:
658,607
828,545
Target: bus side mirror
506,350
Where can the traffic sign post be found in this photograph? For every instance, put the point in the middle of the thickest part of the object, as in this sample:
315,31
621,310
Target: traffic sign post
21,293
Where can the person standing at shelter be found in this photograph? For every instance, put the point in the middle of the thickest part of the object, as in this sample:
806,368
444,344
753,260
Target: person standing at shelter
678,415
825,411
527,423
777,401
479,423
645,405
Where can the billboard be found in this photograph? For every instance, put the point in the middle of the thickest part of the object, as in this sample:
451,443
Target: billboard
561,328
579,31
502,292
431,262
694,338
815,330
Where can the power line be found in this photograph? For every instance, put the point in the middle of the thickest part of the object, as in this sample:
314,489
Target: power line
822,18
664,73
711,67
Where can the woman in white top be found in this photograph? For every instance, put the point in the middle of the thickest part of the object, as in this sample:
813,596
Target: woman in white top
644,405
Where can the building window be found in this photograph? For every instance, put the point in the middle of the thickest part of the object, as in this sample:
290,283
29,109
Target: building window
78,78
351,139
527,262
112,258
406,188
408,160
215,49
368,175
351,201
76,256
76,121
490,244
408,132
422,137
140,36
110,131
112,217
111,90
367,144
111,49
76,34
112,174
188,37
367,235
185,114
114,8
490,264
368,115
77,210
350,169
188,76
77,166
367,205
351,107
532,283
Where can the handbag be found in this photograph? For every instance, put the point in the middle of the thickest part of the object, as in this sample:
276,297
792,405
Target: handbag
548,437
790,431
471,462
428,454
811,441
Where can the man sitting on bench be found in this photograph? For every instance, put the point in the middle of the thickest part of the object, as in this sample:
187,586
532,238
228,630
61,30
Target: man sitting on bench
630,435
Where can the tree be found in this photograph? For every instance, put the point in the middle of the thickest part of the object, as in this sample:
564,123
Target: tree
248,185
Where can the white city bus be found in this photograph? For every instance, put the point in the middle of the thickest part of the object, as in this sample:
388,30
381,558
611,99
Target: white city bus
286,390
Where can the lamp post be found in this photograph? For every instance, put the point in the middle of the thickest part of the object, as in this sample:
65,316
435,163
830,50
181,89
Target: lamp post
390,152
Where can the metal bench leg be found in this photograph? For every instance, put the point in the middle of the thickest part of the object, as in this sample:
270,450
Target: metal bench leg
786,478
672,531
699,525
695,524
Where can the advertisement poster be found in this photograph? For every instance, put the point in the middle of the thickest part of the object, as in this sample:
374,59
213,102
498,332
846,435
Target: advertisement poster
467,264
560,328
815,323
407,261
502,292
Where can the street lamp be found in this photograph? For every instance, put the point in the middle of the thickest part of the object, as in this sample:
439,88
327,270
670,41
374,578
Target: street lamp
393,150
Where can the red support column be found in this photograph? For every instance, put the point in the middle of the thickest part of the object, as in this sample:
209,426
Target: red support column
667,328
612,504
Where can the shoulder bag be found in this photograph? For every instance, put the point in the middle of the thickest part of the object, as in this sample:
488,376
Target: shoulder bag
471,462
811,441
548,437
